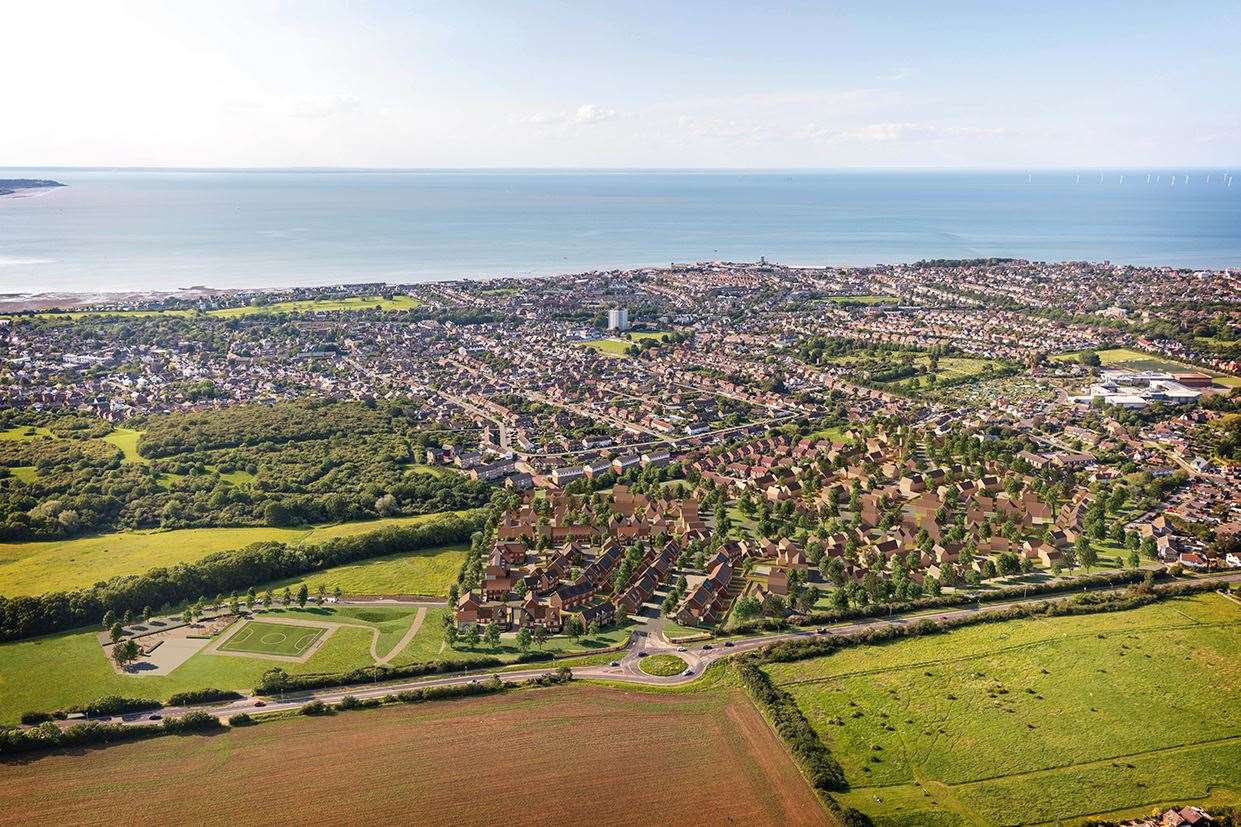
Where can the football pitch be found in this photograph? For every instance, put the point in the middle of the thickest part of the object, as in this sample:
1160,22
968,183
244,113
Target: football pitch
260,638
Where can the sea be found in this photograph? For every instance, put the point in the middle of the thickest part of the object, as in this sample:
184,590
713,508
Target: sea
153,230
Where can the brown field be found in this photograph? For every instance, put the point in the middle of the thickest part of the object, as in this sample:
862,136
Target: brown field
553,756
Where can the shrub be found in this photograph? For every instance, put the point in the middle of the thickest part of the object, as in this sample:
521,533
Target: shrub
199,696
33,718
116,705
240,719
315,708
192,722
372,674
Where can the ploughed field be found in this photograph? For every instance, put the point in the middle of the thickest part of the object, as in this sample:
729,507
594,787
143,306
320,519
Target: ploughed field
1036,720
617,758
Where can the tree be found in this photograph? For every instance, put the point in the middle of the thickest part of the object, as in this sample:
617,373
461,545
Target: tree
147,611
1134,559
125,653
267,599
1089,556
840,599
274,680
747,608
116,632
592,629
491,635
1082,548
109,617
1149,549
470,636
450,635
524,639
322,594
573,628
1089,358
540,636
187,617
287,598
302,594
336,592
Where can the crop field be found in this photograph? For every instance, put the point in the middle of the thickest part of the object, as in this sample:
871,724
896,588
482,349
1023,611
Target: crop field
260,638
424,572
71,667
1036,720
620,758
32,568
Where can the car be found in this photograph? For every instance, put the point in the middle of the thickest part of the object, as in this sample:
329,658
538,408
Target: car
682,649
707,647
154,717
614,663
104,718
728,644
260,703
642,654
821,630
473,680
688,672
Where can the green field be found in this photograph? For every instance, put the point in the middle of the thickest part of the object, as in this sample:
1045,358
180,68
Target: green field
58,565
1121,357
325,305
866,299
424,572
617,347
127,440
662,665
261,638
70,667
1035,720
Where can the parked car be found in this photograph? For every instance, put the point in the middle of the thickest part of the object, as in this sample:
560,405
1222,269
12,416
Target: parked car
260,703
154,717
688,672
642,654
614,663
706,647
682,649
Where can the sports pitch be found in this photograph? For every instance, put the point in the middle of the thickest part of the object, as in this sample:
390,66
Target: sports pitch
284,639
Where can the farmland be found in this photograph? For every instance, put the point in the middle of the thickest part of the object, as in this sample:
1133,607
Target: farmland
623,755
1034,720
38,567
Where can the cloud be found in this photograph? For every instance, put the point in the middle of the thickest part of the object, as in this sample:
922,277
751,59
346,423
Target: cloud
324,106
586,114
590,113
892,132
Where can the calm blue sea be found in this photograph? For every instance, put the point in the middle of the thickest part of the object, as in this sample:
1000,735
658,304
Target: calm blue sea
124,230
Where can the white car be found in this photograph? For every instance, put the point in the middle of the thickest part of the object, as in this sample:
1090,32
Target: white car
682,649
688,672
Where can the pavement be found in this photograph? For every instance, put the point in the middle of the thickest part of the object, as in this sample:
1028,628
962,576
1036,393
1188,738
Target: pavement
698,656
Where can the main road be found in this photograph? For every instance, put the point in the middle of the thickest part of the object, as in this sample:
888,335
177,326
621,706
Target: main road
627,668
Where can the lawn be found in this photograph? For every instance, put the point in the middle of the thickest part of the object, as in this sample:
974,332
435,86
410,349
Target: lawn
71,667
621,758
424,572
261,638
39,567
662,665
1035,720
615,347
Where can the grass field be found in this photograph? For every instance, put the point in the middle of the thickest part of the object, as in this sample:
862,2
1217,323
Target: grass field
662,665
325,305
261,638
618,757
1037,720
426,572
617,347
127,440
1121,357
40,567
69,668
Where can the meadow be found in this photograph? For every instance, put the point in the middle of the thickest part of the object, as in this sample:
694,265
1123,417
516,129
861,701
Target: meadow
620,758
1035,720
427,572
33,568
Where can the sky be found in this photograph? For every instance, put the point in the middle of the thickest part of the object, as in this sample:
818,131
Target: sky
262,83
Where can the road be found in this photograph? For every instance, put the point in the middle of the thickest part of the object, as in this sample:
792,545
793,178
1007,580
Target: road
698,657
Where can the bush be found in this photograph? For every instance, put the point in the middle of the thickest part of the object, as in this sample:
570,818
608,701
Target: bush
200,696
116,705
372,674
192,722
33,718
315,708
240,719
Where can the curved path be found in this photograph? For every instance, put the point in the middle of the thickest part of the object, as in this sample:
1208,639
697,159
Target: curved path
699,658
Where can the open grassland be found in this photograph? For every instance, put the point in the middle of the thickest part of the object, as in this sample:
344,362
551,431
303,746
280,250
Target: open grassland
1035,720
424,572
127,440
619,758
1123,357
71,668
38,567
617,347
324,306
